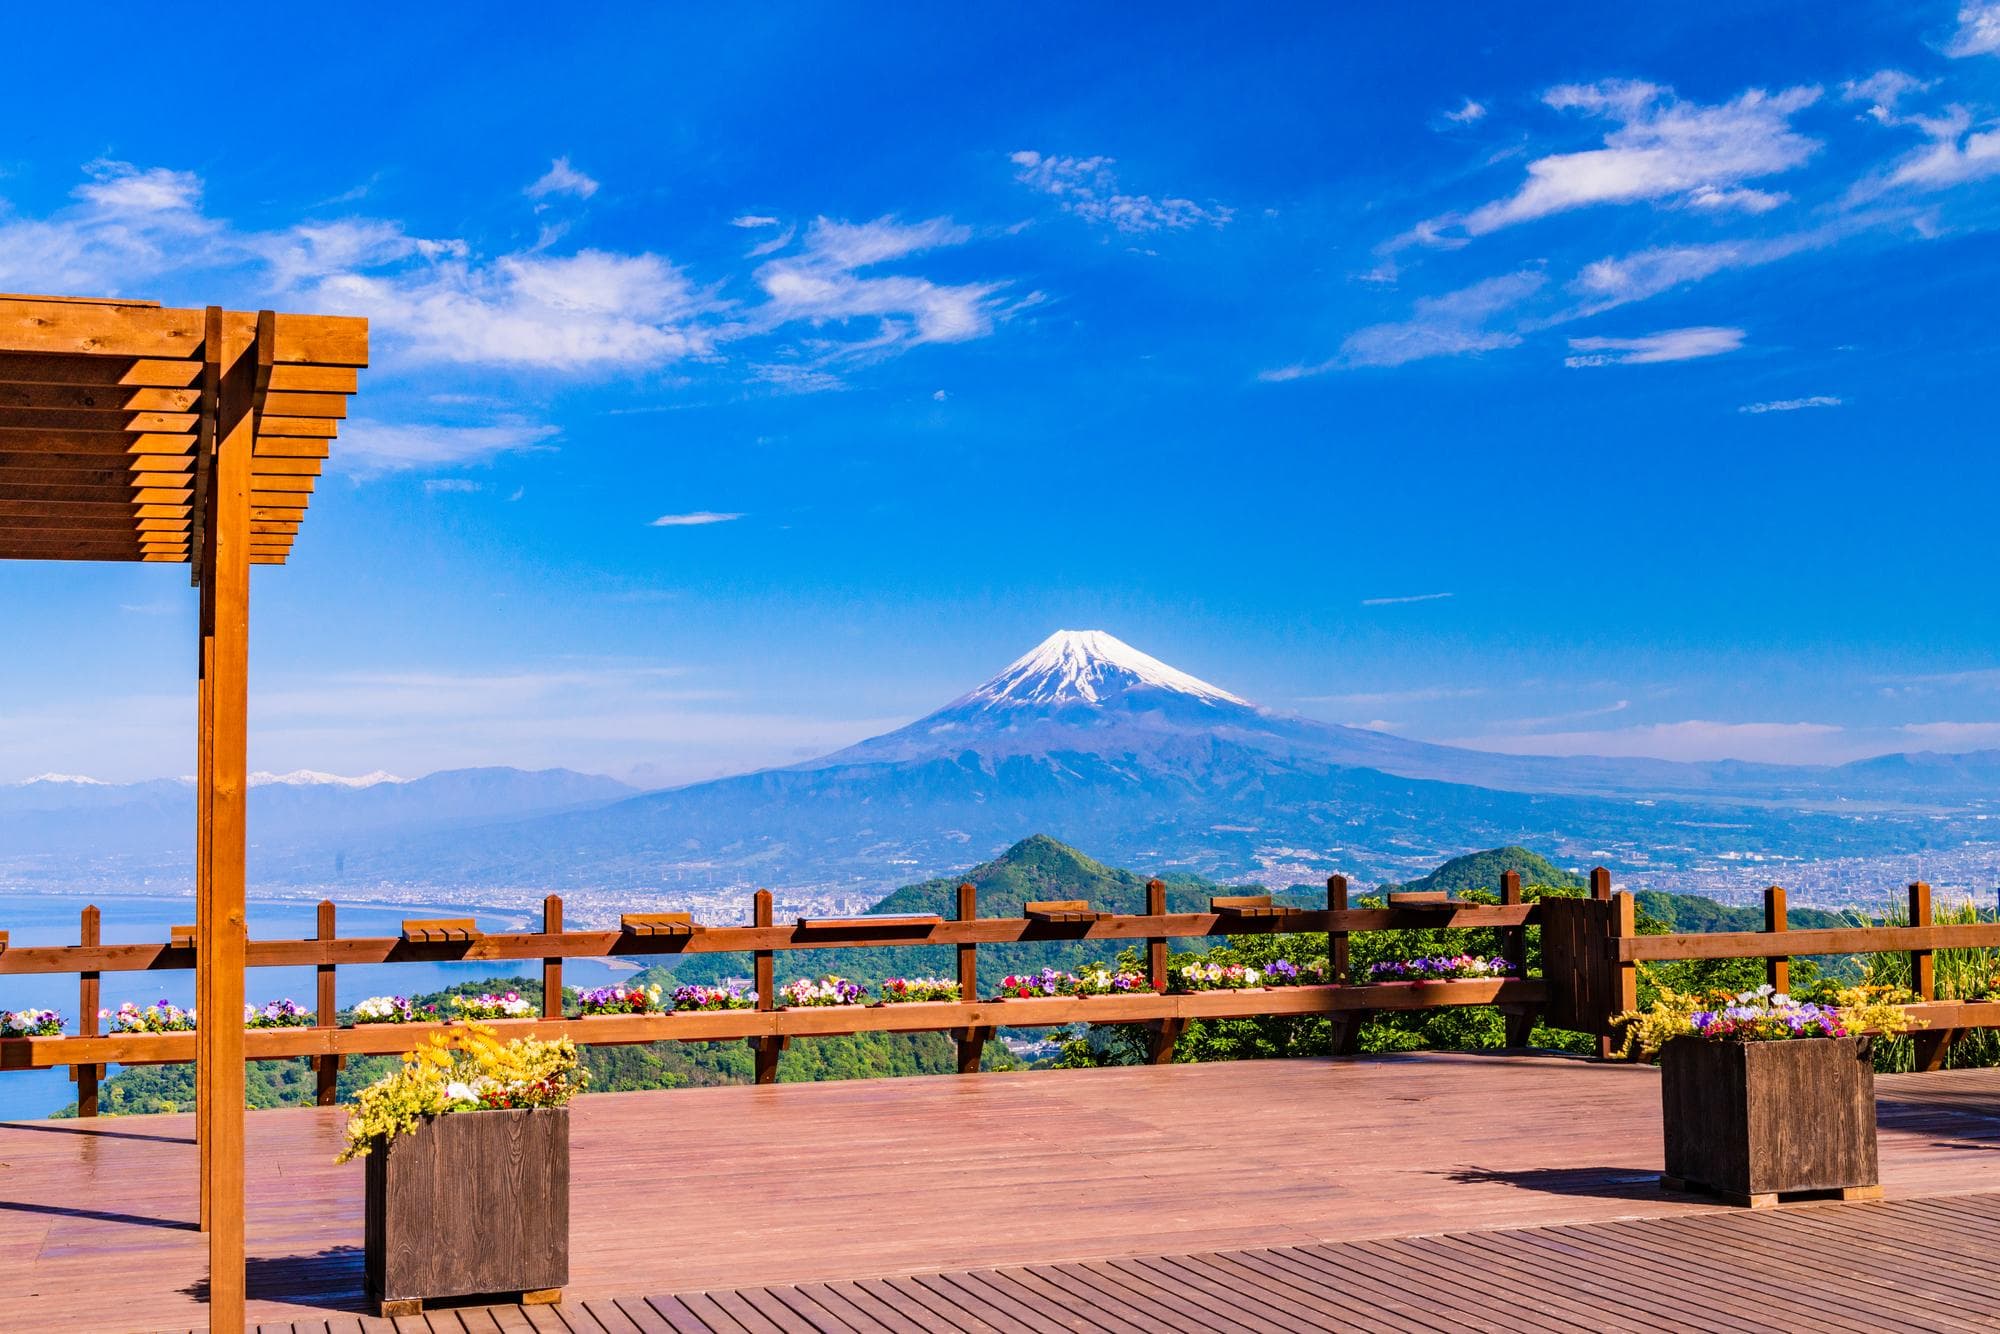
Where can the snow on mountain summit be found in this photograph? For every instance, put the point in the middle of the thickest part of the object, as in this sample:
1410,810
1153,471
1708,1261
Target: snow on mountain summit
313,778
1085,667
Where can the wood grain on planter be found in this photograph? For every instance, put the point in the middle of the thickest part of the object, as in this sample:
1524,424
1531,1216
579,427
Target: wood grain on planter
1753,1120
470,1203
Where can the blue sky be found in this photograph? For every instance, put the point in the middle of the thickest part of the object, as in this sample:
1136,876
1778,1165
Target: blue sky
1569,378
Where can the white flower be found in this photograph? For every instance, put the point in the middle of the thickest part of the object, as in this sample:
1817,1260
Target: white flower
459,1091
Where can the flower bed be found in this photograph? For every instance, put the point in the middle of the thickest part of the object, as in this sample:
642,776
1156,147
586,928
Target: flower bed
1106,982
1440,968
1285,973
30,1024
1026,986
160,1017
621,1000
1189,977
904,990
394,1010
512,1005
277,1014
697,997
828,990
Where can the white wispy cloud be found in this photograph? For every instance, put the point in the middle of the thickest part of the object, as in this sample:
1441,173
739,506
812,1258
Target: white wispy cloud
693,519
1884,90
1615,281
1978,30
1666,345
747,220
831,282
1663,150
1407,597
452,486
1453,324
562,179
1954,735
1087,187
1959,150
369,448
1792,404
1375,699
1468,114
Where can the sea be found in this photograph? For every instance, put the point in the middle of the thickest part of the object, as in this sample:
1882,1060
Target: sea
53,919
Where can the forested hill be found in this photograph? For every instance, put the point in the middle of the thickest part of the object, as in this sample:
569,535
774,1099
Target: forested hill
1042,868
1692,912
1482,870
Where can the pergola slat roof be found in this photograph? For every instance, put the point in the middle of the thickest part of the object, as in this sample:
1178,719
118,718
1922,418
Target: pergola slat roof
107,420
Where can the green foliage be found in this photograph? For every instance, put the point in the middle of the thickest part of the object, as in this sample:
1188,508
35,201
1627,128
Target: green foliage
1961,974
1482,871
1035,868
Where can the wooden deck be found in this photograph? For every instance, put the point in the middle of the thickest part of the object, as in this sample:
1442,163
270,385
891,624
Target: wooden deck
1466,1179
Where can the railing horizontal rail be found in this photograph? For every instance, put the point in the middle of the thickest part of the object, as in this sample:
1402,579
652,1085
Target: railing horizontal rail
1821,940
809,1021
536,945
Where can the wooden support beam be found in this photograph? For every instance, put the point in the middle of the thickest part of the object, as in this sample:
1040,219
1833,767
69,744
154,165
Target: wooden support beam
1923,967
1517,1024
54,368
1336,940
1156,946
221,1085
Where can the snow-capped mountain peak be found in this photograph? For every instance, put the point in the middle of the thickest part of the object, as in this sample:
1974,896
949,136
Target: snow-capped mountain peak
313,778
75,780
1086,667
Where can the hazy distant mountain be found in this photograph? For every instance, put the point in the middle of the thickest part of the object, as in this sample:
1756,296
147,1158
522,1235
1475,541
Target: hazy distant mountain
69,816
1103,746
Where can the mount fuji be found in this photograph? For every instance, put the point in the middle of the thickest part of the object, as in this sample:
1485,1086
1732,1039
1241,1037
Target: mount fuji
1094,742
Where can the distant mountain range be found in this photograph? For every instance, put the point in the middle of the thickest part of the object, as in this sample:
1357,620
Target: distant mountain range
1106,747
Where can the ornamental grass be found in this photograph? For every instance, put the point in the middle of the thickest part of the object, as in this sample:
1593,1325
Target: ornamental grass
465,1068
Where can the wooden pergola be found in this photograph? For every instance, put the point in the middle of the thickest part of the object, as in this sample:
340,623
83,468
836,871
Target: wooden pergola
130,432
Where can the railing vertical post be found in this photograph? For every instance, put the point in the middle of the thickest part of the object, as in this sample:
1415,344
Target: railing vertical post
1161,1034
1600,883
87,1002
1778,968
326,1014
1336,935
1923,968
971,1041
764,968
1345,1025
1932,1044
1518,1021
552,983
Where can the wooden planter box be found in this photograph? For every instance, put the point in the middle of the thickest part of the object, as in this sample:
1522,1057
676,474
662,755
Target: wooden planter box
470,1204
1750,1121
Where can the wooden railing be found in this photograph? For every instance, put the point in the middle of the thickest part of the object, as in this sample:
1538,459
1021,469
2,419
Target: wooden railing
1591,953
769,1028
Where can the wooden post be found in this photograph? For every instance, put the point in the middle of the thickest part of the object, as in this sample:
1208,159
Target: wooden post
971,1041
1162,1034
326,1014
1518,1021
1345,1024
203,559
1624,975
88,993
1336,937
235,369
1777,969
1600,883
1932,1044
552,983
764,967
